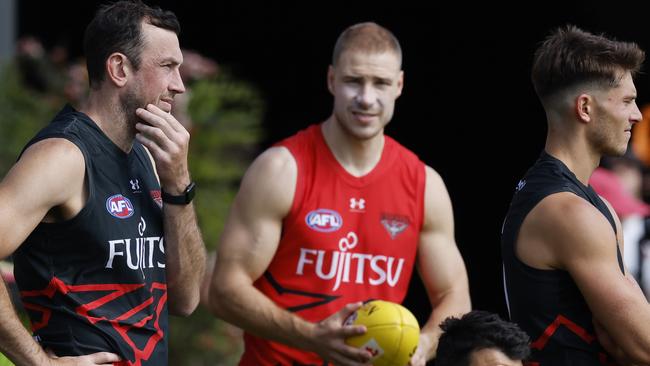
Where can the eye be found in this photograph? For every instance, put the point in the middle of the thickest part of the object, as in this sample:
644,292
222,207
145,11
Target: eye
383,83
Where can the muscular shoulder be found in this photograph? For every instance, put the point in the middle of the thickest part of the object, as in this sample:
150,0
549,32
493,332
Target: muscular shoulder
59,151
55,156
438,213
434,181
270,181
49,174
570,227
57,161
275,160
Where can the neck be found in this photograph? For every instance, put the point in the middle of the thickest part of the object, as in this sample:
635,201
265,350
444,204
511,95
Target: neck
574,151
105,112
357,156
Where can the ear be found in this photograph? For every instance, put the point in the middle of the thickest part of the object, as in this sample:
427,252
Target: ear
400,83
584,107
330,79
118,69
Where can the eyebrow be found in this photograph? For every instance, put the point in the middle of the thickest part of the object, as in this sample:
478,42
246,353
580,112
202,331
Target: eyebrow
171,60
384,80
373,78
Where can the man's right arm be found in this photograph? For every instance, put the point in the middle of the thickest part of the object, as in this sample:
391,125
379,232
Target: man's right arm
583,243
49,174
247,246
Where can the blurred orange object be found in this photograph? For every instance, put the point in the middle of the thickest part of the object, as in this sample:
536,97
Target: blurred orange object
641,137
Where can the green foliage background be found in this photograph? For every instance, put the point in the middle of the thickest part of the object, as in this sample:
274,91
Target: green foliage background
226,116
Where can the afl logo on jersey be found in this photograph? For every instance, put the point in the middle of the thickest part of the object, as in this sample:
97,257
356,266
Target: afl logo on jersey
324,220
119,206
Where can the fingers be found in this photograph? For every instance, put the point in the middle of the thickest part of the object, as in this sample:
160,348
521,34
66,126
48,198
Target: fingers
344,314
104,358
161,127
94,359
167,141
332,333
348,309
348,331
358,355
159,118
50,353
417,360
155,140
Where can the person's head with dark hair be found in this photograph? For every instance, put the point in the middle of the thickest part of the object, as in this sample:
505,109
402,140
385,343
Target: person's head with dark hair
133,57
589,78
480,338
571,56
118,27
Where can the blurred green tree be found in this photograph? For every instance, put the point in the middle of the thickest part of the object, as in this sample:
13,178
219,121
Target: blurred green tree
226,117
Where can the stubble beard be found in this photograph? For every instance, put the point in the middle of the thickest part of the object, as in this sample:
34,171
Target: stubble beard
348,128
608,141
129,103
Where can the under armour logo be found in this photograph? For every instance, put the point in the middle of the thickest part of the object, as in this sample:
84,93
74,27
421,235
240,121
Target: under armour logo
359,204
135,185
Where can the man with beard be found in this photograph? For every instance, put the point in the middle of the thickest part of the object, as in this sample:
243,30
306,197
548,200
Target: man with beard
335,215
97,210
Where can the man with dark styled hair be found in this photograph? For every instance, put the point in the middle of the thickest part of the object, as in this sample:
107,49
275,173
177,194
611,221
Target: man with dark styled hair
480,338
97,210
565,281
335,215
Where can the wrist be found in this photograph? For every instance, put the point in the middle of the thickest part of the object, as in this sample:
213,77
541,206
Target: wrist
306,332
430,344
185,196
175,187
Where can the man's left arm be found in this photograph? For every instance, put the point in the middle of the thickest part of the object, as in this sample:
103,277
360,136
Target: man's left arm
167,141
440,266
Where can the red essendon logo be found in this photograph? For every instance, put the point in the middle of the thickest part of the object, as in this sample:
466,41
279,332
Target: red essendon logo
157,197
119,206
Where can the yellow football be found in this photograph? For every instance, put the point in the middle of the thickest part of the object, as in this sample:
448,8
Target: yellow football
392,332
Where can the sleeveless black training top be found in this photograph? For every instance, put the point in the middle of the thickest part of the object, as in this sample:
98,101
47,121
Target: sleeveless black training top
97,281
547,304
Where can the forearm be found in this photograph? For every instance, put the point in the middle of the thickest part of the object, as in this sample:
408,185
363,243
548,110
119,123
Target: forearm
249,309
15,341
453,303
630,332
185,254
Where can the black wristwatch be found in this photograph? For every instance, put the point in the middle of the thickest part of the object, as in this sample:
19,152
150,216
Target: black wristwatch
183,199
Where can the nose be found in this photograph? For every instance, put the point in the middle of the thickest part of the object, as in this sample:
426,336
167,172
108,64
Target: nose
176,85
366,96
636,116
